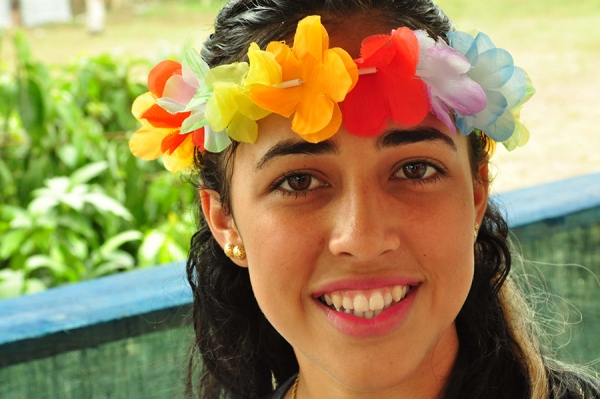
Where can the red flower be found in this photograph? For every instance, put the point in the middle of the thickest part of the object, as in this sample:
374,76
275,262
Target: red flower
393,91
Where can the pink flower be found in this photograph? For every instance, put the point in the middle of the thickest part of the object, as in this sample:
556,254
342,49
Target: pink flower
444,70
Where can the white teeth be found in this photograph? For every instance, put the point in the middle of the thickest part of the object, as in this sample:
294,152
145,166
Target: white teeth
397,293
337,301
360,303
387,299
364,304
376,301
348,303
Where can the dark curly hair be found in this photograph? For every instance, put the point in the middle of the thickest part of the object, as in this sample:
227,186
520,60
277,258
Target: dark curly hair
238,354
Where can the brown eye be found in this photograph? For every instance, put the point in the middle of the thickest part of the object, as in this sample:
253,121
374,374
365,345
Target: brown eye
416,171
300,182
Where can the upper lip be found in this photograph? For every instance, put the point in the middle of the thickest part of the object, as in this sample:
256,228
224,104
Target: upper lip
366,283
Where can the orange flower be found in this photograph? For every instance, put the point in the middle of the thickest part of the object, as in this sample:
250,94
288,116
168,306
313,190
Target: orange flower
324,76
160,132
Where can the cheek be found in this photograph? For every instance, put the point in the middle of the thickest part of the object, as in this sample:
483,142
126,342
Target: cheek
282,251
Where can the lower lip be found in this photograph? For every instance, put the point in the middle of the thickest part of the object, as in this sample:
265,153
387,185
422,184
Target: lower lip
387,321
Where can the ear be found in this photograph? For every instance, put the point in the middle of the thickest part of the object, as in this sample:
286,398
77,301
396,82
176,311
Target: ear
221,223
481,184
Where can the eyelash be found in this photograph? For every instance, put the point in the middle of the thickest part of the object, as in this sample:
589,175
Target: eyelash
286,177
438,174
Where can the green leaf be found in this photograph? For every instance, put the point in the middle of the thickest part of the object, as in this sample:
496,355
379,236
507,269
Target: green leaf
68,154
148,251
31,107
22,47
42,261
55,186
78,246
116,262
104,203
34,285
88,172
12,283
76,198
42,205
10,242
115,242
9,212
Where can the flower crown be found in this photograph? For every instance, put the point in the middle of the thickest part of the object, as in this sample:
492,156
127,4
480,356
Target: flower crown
469,84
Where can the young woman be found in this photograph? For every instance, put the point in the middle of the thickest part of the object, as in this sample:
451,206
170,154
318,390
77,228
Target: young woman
347,247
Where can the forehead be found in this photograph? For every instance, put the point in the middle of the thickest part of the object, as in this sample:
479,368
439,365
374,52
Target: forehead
275,132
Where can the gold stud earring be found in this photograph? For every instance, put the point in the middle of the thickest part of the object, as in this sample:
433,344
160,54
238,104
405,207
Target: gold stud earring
239,252
228,250
476,230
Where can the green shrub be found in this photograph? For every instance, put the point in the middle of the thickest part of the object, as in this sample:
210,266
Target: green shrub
75,204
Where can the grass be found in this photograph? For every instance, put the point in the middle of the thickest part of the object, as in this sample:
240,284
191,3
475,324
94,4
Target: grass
554,40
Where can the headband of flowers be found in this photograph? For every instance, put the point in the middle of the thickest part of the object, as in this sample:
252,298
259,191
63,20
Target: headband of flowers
469,84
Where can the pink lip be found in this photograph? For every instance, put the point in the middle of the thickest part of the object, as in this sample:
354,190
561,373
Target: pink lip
380,325
364,284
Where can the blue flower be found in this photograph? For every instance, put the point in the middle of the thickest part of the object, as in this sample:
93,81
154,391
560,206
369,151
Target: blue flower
506,87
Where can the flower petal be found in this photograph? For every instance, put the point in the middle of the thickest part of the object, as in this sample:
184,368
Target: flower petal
264,68
364,109
291,68
221,106
515,89
146,142
160,74
332,127
493,68
195,121
170,105
230,73
242,128
274,99
464,44
311,39
312,115
194,68
182,158
215,141
335,80
198,138
171,142
159,117
177,89
142,103
503,128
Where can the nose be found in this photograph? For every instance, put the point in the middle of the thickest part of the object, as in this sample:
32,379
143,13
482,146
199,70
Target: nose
364,228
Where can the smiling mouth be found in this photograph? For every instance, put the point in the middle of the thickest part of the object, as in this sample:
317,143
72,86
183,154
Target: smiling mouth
365,304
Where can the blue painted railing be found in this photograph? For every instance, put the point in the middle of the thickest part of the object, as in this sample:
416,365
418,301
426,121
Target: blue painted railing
143,301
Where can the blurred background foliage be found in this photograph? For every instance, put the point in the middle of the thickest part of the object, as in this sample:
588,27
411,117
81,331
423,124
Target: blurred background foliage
75,204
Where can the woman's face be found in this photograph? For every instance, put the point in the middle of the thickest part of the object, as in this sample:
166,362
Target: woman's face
359,250
364,223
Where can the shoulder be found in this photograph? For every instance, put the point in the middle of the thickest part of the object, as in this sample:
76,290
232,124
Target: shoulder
569,384
282,389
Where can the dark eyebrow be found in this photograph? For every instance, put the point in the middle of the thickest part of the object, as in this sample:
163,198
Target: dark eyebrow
290,147
400,137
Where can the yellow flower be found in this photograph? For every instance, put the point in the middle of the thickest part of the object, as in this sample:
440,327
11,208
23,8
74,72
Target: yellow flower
229,107
324,75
